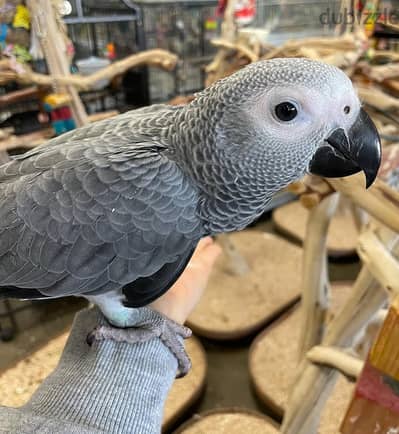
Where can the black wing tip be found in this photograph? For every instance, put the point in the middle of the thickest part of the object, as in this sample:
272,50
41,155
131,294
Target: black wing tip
20,293
145,290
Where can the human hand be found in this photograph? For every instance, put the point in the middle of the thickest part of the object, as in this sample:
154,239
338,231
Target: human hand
183,296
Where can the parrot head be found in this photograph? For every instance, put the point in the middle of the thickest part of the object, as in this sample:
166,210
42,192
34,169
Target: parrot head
294,116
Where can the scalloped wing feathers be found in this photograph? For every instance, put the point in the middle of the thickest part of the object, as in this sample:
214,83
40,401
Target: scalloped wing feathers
94,212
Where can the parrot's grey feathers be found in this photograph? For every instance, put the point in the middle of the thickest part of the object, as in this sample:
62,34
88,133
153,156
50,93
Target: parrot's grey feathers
120,212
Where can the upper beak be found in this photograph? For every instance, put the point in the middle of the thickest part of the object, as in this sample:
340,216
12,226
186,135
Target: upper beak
345,154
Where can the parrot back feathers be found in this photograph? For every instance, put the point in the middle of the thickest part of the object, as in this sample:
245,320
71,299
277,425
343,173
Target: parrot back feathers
94,210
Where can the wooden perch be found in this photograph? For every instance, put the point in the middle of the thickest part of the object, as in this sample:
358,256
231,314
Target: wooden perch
385,55
240,48
5,133
19,95
377,98
345,42
314,383
391,85
30,140
380,73
95,117
336,358
360,306
380,200
315,284
312,190
317,45
219,66
367,335
374,200
160,58
379,261
52,40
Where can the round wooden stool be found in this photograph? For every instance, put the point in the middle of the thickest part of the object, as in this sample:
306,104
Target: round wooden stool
234,306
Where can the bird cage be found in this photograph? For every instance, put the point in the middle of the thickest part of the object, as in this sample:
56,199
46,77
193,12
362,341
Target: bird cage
93,24
295,19
186,29
182,27
110,29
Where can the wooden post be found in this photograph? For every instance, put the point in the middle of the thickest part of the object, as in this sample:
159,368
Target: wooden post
315,284
216,68
314,383
44,23
378,259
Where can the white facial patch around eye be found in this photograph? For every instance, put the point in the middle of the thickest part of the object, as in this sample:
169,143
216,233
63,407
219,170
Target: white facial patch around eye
319,108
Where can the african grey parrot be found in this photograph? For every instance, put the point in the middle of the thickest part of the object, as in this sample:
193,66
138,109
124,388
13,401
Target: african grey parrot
113,211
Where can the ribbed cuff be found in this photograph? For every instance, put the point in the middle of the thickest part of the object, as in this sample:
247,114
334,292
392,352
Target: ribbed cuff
111,386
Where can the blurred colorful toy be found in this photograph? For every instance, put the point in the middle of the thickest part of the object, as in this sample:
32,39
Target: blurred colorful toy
15,30
57,105
21,17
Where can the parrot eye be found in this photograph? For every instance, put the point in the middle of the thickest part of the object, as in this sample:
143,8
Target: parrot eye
347,109
286,111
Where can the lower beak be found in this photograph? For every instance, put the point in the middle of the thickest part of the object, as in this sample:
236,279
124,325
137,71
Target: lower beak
345,154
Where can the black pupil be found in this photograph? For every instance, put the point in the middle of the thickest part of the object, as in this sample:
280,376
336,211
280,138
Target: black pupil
286,111
347,109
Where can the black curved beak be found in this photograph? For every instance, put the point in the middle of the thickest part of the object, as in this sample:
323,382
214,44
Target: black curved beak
345,154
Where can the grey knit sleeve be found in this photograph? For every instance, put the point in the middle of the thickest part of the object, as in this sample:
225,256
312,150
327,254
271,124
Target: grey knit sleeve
108,387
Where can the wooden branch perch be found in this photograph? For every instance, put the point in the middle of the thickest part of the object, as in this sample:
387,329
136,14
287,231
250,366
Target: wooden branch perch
46,24
361,305
19,95
240,48
374,200
342,51
379,261
380,73
315,284
160,58
316,45
30,140
336,358
312,190
377,98
393,56
217,68
314,383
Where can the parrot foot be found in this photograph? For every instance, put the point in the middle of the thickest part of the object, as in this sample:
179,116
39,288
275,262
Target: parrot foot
152,325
